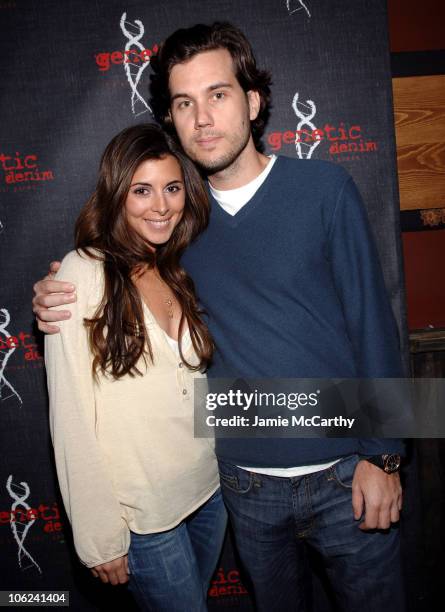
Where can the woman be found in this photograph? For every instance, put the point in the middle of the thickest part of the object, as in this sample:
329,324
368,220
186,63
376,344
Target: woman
142,493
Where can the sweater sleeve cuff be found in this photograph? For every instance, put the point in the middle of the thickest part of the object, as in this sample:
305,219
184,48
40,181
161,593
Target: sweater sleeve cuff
92,564
104,549
381,446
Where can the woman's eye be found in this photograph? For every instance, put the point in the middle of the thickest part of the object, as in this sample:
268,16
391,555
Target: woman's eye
173,188
141,191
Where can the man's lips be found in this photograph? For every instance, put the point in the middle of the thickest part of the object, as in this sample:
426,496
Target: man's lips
207,141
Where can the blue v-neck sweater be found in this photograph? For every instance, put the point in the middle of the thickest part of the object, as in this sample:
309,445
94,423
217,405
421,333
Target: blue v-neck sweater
293,288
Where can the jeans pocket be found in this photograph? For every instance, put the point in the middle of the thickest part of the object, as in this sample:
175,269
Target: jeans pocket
343,471
235,479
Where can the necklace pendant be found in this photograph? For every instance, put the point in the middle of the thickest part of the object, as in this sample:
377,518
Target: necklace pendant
169,303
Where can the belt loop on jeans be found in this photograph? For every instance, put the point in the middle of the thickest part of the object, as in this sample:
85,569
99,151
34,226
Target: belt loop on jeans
330,473
257,482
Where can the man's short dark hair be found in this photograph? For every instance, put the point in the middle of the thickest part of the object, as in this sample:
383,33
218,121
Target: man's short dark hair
184,44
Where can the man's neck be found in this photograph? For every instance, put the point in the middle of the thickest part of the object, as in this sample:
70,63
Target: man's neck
246,167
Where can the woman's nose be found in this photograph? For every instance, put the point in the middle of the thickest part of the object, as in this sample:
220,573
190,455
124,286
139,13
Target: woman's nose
160,205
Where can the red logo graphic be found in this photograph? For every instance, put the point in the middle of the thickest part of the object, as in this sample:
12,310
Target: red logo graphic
27,343
23,169
227,584
50,516
104,60
345,141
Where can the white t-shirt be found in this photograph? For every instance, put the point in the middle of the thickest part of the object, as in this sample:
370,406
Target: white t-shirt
232,201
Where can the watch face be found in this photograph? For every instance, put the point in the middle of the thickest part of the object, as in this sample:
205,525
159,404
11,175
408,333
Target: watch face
391,462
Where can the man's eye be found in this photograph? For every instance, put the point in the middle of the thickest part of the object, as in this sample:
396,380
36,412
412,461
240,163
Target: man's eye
219,95
184,104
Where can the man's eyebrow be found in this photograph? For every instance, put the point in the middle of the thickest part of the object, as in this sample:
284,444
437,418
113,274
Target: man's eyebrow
179,95
212,87
219,86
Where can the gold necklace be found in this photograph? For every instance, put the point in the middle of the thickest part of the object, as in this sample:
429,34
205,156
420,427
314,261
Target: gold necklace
169,303
167,299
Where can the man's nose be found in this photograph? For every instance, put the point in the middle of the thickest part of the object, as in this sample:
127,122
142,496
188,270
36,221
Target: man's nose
203,116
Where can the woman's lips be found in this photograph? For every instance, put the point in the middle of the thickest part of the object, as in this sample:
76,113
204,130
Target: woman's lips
158,223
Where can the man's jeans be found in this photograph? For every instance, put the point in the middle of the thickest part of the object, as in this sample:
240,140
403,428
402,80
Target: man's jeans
274,518
171,570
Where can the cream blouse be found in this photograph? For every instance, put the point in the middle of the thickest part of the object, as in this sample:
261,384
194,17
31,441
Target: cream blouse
125,452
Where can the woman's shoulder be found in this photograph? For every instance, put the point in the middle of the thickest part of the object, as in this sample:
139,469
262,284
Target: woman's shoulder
81,266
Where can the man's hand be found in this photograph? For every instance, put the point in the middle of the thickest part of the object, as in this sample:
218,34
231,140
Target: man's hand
377,494
49,292
113,572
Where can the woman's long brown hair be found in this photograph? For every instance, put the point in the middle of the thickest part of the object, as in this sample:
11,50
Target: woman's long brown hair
117,333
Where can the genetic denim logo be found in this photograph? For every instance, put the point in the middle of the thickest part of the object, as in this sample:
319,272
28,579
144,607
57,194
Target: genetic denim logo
49,514
25,344
344,141
226,583
23,168
134,59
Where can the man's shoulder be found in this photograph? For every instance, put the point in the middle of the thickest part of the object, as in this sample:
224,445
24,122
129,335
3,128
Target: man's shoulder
315,171
313,187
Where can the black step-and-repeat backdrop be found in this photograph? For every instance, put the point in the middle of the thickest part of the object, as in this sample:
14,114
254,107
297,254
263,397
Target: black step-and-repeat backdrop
73,74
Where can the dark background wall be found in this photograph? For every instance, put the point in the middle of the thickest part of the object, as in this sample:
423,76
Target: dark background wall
66,90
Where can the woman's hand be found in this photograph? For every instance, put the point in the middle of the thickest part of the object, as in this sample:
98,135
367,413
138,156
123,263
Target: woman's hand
113,572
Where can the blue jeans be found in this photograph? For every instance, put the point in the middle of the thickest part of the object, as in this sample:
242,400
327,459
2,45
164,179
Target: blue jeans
171,570
274,520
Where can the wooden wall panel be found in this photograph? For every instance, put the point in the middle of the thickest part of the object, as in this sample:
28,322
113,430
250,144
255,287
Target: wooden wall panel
419,114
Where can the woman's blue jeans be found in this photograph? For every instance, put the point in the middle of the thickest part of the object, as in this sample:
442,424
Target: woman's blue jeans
274,519
171,570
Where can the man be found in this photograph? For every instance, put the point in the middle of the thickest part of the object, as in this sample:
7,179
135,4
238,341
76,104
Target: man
289,275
